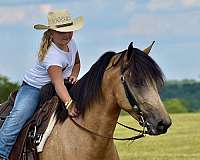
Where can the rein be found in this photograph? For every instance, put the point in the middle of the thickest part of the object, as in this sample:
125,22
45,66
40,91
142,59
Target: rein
114,138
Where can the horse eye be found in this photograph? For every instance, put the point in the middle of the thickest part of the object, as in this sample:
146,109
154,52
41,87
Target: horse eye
139,84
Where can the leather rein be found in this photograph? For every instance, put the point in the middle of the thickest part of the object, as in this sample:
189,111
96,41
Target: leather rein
133,103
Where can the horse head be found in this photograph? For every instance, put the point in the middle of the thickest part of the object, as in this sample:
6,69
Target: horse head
135,79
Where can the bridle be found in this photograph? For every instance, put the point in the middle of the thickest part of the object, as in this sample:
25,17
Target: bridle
133,103
129,95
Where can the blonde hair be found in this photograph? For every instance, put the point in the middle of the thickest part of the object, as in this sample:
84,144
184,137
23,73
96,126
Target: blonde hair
45,43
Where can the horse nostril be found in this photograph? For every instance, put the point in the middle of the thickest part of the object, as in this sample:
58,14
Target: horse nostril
162,127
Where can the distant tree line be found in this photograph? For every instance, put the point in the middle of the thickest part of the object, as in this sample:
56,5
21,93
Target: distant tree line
178,96
181,96
6,86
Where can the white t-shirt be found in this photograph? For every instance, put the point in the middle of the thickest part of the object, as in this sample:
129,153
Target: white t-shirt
38,75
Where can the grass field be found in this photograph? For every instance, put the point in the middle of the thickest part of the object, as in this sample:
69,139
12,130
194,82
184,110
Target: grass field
182,141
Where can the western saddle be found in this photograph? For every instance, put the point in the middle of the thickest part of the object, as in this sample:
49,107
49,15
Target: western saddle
31,134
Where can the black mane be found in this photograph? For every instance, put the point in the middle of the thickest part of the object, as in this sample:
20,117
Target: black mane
88,88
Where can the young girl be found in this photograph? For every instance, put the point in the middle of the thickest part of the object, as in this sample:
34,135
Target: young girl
58,58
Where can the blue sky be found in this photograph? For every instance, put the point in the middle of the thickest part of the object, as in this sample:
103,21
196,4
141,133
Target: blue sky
109,25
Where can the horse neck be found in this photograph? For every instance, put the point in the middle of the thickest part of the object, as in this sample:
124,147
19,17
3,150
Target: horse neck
101,117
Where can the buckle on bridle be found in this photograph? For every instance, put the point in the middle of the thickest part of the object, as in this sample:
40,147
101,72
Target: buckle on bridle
142,121
122,78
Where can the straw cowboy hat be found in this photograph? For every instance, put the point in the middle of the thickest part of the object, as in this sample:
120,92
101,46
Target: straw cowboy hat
61,21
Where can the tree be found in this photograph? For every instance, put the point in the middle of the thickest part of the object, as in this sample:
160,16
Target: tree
176,105
187,90
6,86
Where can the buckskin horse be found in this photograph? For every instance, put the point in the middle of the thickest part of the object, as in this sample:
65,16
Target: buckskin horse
129,81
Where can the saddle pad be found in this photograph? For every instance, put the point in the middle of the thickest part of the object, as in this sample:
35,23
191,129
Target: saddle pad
47,133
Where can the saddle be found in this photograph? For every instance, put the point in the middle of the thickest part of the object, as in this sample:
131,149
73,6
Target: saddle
32,132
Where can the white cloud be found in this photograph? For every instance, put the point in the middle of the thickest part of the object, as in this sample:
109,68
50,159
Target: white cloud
45,8
142,25
10,15
24,14
129,6
155,5
180,24
190,3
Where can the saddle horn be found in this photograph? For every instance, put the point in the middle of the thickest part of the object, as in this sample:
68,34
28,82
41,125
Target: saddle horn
148,49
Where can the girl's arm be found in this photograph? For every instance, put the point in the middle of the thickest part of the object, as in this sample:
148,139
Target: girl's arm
55,73
75,70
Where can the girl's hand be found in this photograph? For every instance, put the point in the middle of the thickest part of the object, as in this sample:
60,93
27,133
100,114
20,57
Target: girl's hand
73,112
73,79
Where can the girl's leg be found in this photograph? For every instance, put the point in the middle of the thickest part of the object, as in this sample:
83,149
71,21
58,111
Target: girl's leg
26,102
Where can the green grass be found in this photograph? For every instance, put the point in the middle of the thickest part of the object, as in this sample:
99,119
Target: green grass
181,142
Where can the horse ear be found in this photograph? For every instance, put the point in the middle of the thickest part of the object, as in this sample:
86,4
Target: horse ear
148,49
130,50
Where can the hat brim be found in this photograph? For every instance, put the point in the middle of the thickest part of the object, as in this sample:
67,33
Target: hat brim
77,24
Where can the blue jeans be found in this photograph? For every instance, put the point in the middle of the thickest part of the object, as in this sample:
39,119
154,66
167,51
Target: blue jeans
26,102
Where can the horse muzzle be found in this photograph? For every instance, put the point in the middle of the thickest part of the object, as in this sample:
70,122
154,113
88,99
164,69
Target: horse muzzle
160,128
